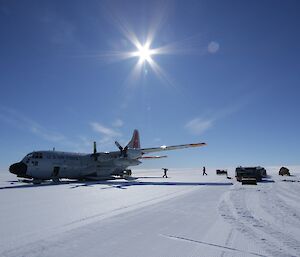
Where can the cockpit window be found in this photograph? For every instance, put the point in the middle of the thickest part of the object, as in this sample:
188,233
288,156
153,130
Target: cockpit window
37,155
29,155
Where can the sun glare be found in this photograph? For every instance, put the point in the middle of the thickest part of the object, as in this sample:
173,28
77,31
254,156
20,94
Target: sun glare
144,53
144,50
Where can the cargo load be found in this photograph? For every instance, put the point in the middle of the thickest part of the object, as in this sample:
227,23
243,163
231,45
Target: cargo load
250,172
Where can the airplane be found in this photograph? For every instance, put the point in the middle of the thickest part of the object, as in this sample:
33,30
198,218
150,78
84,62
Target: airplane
54,165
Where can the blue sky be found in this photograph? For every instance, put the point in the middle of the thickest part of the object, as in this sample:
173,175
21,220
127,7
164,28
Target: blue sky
228,76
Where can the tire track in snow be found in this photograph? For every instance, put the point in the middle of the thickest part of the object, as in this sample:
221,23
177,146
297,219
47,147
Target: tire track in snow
290,190
226,212
234,210
263,224
275,205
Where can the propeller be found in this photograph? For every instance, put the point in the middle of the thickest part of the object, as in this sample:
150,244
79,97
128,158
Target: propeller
123,151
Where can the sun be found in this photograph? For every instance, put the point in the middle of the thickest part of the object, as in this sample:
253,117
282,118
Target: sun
144,52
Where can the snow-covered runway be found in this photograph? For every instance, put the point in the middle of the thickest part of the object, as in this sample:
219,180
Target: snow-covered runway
184,215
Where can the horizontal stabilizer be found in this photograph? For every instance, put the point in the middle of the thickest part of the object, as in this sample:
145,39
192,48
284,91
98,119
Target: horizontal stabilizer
167,148
154,157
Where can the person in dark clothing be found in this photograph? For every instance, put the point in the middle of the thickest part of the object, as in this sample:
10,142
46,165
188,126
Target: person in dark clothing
165,173
204,173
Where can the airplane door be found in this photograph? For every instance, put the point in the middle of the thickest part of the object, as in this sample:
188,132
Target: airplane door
55,173
35,167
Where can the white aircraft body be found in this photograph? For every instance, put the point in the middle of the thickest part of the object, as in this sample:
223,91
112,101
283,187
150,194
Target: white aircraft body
46,165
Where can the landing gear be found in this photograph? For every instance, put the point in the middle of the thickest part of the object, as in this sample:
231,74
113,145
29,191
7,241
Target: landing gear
128,172
56,180
36,181
55,174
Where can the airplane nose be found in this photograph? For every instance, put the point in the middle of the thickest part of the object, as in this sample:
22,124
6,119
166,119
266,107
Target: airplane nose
18,169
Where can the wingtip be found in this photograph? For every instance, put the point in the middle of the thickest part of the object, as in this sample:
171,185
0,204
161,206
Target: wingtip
198,144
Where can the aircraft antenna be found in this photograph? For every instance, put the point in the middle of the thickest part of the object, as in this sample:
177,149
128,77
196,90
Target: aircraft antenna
94,154
95,147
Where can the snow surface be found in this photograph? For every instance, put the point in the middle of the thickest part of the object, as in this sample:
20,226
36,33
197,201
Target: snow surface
186,214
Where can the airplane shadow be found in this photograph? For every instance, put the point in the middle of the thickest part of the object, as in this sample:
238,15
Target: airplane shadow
151,177
126,184
115,184
35,185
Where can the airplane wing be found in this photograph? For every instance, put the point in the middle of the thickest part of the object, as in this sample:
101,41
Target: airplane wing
167,148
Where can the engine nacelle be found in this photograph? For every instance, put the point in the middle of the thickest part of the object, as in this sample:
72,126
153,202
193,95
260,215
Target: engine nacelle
123,162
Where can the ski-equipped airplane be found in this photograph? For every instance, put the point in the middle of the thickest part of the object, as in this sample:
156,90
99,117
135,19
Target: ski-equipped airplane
46,165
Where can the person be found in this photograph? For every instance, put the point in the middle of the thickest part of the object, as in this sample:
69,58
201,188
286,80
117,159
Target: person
204,173
165,173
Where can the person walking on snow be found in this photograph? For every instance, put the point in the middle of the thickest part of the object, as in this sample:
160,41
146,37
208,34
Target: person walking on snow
204,173
165,173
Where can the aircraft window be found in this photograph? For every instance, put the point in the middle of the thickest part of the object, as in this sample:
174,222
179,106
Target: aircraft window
35,163
29,155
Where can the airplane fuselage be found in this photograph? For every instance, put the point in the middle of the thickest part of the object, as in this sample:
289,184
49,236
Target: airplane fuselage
53,164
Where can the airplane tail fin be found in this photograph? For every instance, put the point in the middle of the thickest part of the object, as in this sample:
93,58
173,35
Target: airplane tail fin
135,140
